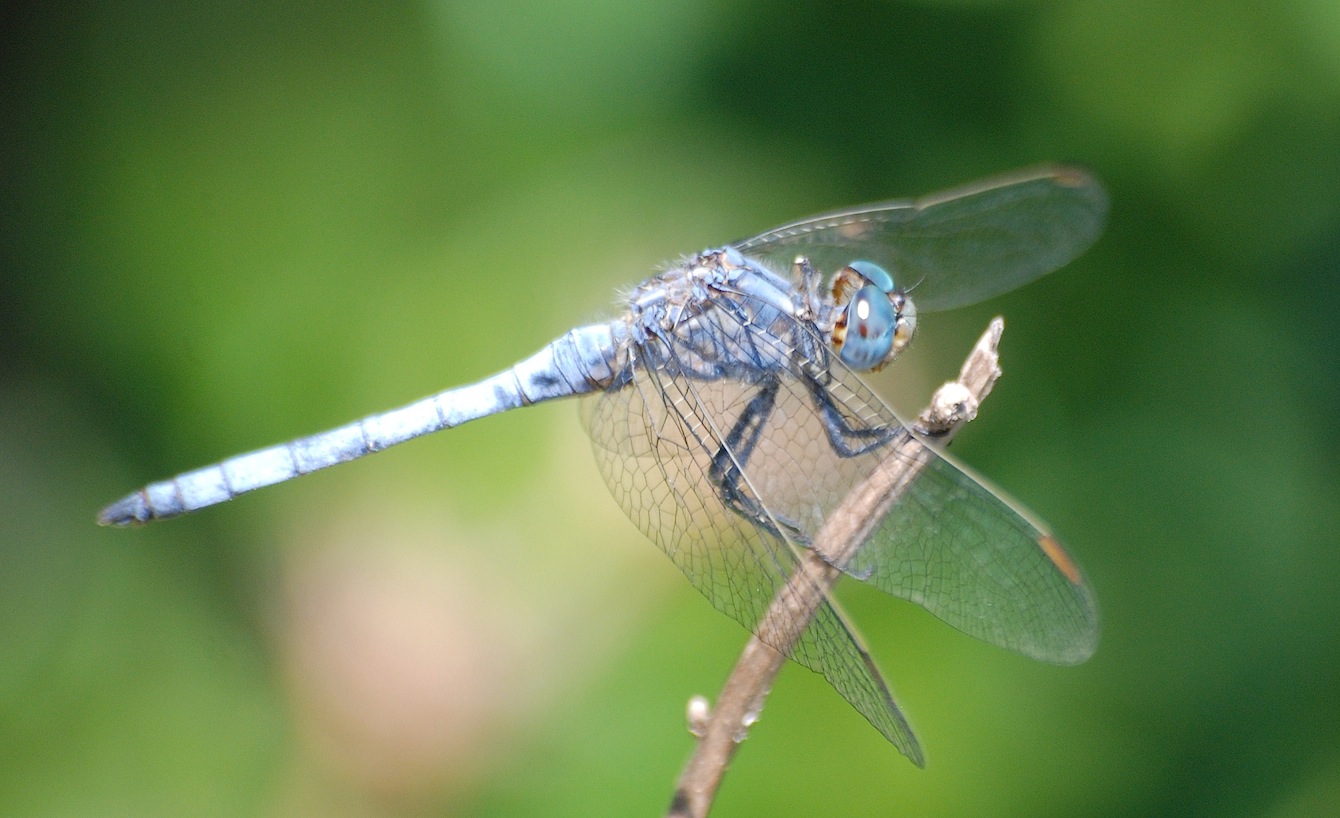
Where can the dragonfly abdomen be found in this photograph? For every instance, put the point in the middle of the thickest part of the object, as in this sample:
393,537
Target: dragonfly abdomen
583,360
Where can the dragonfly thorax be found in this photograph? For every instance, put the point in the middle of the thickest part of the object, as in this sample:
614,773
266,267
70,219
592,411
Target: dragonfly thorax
720,315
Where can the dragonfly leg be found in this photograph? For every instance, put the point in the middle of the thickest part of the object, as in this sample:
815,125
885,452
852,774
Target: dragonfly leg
846,440
810,279
726,471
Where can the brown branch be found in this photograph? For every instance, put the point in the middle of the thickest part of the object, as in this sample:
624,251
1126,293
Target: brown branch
721,730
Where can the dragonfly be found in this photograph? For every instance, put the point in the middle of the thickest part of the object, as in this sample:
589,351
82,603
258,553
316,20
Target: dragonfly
728,420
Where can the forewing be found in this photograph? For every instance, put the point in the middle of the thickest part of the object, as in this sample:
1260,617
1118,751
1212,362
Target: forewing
958,246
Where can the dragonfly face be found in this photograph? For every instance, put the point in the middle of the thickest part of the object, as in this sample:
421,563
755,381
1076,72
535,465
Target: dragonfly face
875,319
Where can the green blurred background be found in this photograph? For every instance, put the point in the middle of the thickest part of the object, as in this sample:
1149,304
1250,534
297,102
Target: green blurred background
229,225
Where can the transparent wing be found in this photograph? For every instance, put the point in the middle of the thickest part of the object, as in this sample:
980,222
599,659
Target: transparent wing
949,542
958,246
655,441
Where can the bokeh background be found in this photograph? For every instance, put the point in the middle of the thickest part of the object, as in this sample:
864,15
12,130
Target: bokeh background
225,225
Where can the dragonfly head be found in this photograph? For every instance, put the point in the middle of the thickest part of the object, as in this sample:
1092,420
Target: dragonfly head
875,319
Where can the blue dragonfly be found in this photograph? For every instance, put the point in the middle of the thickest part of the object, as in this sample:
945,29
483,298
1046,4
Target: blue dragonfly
728,420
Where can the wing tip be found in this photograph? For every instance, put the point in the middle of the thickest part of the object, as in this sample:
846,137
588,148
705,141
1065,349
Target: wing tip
1080,179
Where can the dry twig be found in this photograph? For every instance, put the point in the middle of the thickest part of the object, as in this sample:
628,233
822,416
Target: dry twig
721,730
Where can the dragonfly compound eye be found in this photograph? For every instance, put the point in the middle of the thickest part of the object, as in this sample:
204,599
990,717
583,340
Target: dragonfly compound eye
870,323
873,274
878,320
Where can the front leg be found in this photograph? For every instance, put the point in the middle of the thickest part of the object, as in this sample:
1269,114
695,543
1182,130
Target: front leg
842,436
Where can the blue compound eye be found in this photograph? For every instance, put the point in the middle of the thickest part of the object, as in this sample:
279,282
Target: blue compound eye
870,323
875,274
